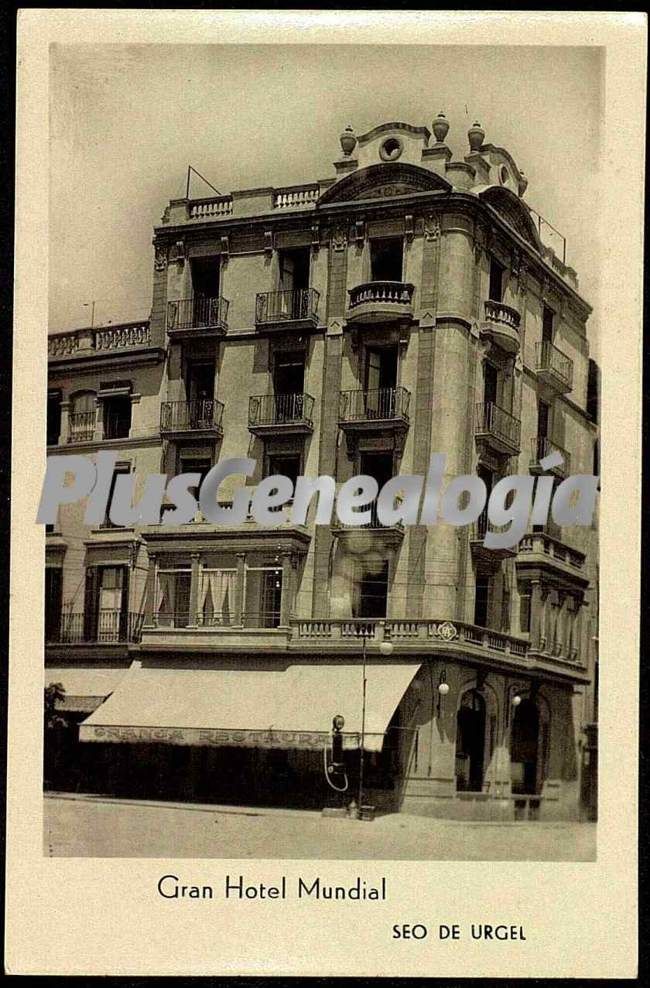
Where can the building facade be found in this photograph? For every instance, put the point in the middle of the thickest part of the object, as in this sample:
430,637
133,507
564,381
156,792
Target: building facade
403,307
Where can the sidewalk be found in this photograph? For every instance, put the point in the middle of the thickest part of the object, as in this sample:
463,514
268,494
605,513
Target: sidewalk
94,826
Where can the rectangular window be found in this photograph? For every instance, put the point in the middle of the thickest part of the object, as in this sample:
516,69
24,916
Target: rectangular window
548,319
53,597
173,600
386,259
370,590
286,464
117,417
490,383
496,281
289,374
205,273
481,600
262,597
524,613
53,417
121,469
293,272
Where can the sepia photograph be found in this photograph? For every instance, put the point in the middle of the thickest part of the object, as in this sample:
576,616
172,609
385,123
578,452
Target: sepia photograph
363,266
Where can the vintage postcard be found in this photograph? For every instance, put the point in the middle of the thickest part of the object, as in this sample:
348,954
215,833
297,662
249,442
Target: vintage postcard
324,651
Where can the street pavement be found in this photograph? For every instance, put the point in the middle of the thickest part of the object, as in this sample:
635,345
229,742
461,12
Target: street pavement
91,826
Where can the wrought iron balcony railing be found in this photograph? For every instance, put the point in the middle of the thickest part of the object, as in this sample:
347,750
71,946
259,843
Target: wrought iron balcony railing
554,365
298,305
491,420
376,405
197,313
104,626
191,416
542,446
81,426
269,410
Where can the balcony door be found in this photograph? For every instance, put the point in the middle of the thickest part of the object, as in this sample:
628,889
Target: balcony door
106,603
496,281
206,285
380,381
379,466
200,393
386,259
288,386
490,383
293,280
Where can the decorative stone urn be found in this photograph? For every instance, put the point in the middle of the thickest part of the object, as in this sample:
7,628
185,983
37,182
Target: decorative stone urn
348,141
440,128
476,136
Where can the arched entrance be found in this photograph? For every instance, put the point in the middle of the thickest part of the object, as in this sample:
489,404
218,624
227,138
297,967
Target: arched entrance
470,742
525,749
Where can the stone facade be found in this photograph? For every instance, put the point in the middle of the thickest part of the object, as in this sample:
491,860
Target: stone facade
405,307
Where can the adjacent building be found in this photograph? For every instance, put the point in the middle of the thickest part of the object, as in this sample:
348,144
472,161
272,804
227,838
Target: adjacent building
407,305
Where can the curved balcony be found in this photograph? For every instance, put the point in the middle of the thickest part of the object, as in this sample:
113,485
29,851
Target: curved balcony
501,324
380,301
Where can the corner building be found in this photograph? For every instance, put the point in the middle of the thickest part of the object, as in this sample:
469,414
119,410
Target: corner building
403,307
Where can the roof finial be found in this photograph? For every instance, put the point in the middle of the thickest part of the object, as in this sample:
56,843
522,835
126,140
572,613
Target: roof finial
348,141
476,136
440,128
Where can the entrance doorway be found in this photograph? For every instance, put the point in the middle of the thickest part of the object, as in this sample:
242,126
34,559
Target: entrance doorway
524,749
470,743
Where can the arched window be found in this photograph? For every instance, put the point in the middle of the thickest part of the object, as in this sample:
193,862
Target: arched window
83,413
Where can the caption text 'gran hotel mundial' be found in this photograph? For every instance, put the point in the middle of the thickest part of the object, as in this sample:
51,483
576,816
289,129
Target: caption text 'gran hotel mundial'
514,503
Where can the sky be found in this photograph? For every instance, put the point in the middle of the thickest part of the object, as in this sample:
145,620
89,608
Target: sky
127,120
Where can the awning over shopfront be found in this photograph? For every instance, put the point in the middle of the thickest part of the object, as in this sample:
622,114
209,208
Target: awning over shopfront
277,706
85,688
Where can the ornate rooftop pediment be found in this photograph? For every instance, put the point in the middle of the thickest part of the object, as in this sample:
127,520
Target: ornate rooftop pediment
384,180
510,207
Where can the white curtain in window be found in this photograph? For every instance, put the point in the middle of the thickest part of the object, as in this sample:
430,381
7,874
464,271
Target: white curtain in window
166,596
216,599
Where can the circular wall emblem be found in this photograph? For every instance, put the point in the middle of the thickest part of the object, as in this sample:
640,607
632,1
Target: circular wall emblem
391,149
